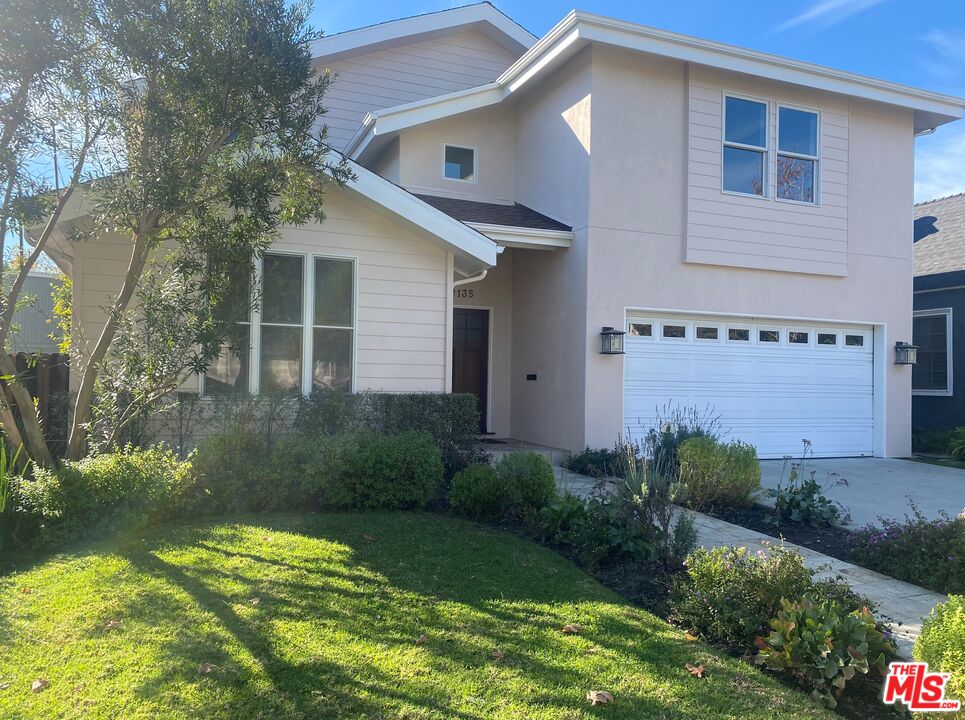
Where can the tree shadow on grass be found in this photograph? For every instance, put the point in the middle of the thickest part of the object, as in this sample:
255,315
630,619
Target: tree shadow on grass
382,580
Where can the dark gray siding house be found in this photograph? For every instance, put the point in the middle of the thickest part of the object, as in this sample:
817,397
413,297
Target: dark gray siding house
938,380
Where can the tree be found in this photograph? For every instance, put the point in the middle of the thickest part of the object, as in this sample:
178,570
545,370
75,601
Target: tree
214,131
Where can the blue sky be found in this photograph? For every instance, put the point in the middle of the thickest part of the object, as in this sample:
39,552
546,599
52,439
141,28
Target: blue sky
916,43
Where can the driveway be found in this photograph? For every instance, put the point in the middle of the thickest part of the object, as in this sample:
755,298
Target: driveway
882,486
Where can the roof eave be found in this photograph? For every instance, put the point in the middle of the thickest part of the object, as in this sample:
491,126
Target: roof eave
578,29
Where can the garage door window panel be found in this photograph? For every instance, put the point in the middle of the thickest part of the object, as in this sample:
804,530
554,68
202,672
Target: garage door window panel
674,332
738,335
707,333
771,337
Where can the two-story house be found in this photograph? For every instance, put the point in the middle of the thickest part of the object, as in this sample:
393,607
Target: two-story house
743,218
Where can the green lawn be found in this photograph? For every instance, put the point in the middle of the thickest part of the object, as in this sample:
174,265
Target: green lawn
321,617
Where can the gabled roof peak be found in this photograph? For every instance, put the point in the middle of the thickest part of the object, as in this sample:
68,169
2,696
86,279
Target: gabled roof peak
483,16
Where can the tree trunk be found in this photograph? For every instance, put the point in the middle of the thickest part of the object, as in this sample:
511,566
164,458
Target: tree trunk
77,439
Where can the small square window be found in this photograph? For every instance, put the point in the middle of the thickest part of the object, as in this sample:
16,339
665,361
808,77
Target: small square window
641,330
827,338
460,163
798,337
769,336
739,334
854,340
707,333
675,331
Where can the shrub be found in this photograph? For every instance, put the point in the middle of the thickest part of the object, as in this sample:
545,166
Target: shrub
930,440
389,472
716,473
599,463
477,492
451,419
942,645
956,443
674,427
728,596
562,521
824,645
799,497
930,553
529,481
231,475
124,490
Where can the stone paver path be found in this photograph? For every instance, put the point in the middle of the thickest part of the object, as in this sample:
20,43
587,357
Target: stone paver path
900,602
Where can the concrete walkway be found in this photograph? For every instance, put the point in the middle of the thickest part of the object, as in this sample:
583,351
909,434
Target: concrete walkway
882,486
902,604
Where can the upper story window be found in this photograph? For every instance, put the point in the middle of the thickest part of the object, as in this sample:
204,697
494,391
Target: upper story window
797,154
932,333
302,337
745,146
460,163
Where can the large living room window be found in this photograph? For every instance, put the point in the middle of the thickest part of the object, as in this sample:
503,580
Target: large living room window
301,337
745,146
933,335
797,154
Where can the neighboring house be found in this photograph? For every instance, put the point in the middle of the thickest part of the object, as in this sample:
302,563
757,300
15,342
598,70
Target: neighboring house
33,321
743,217
938,380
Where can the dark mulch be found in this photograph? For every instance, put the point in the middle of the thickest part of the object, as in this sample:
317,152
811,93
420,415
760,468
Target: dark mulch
833,541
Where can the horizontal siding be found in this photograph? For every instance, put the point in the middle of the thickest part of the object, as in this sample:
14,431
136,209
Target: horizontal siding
407,73
401,318
726,229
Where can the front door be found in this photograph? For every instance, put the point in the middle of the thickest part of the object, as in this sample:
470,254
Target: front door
470,357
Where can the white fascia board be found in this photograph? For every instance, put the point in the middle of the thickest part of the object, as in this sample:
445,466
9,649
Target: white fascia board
595,28
455,235
399,117
578,29
523,237
394,31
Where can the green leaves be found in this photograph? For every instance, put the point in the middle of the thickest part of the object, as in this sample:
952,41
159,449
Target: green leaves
824,646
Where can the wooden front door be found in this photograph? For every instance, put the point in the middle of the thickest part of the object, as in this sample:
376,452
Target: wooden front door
470,357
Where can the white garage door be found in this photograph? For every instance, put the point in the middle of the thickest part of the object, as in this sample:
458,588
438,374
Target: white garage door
772,383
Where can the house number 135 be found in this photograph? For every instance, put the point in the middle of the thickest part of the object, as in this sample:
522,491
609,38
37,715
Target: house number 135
463,293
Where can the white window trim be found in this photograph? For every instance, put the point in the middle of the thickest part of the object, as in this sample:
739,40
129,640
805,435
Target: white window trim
838,339
687,326
475,163
308,322
816,158
765,149
949,351
750,334
812,334
781,336
720,333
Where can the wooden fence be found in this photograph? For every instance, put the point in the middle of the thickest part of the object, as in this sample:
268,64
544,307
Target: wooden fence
47,378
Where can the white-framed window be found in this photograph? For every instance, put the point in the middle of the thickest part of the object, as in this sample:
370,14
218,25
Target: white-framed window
673,331
745,146
459,163
643,329
932,333
707,333
737,334
302,334
798,154
768,336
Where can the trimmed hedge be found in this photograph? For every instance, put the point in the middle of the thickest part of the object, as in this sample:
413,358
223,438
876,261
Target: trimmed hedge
477,492
451,419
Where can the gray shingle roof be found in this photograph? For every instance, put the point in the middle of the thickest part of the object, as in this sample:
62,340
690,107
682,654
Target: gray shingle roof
471,211
940,235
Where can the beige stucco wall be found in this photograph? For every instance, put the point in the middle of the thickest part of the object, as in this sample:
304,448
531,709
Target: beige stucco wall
495,293
637,234
402,295
549,288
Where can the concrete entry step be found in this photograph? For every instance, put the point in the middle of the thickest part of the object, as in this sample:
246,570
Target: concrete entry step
497,447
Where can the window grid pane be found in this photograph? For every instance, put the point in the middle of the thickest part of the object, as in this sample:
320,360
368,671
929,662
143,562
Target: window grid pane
281,359
282,289
931,336
795,178
333,292
460,163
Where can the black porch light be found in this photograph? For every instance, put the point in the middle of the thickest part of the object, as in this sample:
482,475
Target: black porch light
906,353
612,341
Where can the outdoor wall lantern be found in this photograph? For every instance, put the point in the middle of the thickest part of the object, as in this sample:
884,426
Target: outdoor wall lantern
612,341
906,353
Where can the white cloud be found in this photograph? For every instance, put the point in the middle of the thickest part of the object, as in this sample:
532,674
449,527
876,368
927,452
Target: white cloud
940,164
827,13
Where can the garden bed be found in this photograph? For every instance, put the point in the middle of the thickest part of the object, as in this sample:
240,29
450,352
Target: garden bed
834,541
